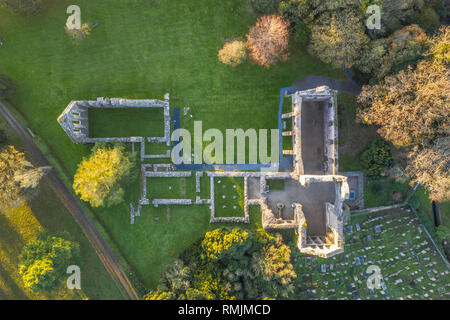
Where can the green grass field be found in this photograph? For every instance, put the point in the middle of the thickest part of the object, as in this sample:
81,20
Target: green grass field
143,49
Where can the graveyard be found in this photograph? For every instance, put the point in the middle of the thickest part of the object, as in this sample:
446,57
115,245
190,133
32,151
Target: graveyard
395,241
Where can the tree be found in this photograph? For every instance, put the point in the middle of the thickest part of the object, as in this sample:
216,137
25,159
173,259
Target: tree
219,242
7,87
274,268
428,19
302,34
376,158
159,295
230,264
177,277
339,38
430,166
389,55
233,53
267,41
397,14
23,6
18,178
440,46
44,261
411,107
98,178
411,110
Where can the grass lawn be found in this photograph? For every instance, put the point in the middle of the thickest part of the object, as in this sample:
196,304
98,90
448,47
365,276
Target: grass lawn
422,203
155,148
205,187
275,184
20,225
229,197
119,123
143,49
378,192
171,188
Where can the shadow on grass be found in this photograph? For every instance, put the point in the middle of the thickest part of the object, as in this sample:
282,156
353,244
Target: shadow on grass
18,293
10,240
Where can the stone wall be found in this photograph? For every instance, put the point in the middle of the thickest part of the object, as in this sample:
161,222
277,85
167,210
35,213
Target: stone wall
74,119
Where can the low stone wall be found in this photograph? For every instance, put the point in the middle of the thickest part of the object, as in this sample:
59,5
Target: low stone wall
74,119
157,202
167,174
198,175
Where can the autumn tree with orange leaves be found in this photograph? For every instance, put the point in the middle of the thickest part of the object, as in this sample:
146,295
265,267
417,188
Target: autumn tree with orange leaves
268,40
411,109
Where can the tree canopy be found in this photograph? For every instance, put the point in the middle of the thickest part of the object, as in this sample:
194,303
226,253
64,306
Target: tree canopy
412,110
98,177
230,264
19,179
268,40
339,38
233,53
45,260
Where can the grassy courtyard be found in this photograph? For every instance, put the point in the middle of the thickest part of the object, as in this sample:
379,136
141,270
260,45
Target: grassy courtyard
229,197
118,123
142,50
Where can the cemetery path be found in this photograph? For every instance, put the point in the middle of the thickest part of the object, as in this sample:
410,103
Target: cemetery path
103,251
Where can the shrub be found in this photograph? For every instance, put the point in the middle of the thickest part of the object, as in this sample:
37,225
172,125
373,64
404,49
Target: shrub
264,6
376,158
268,40
233,53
